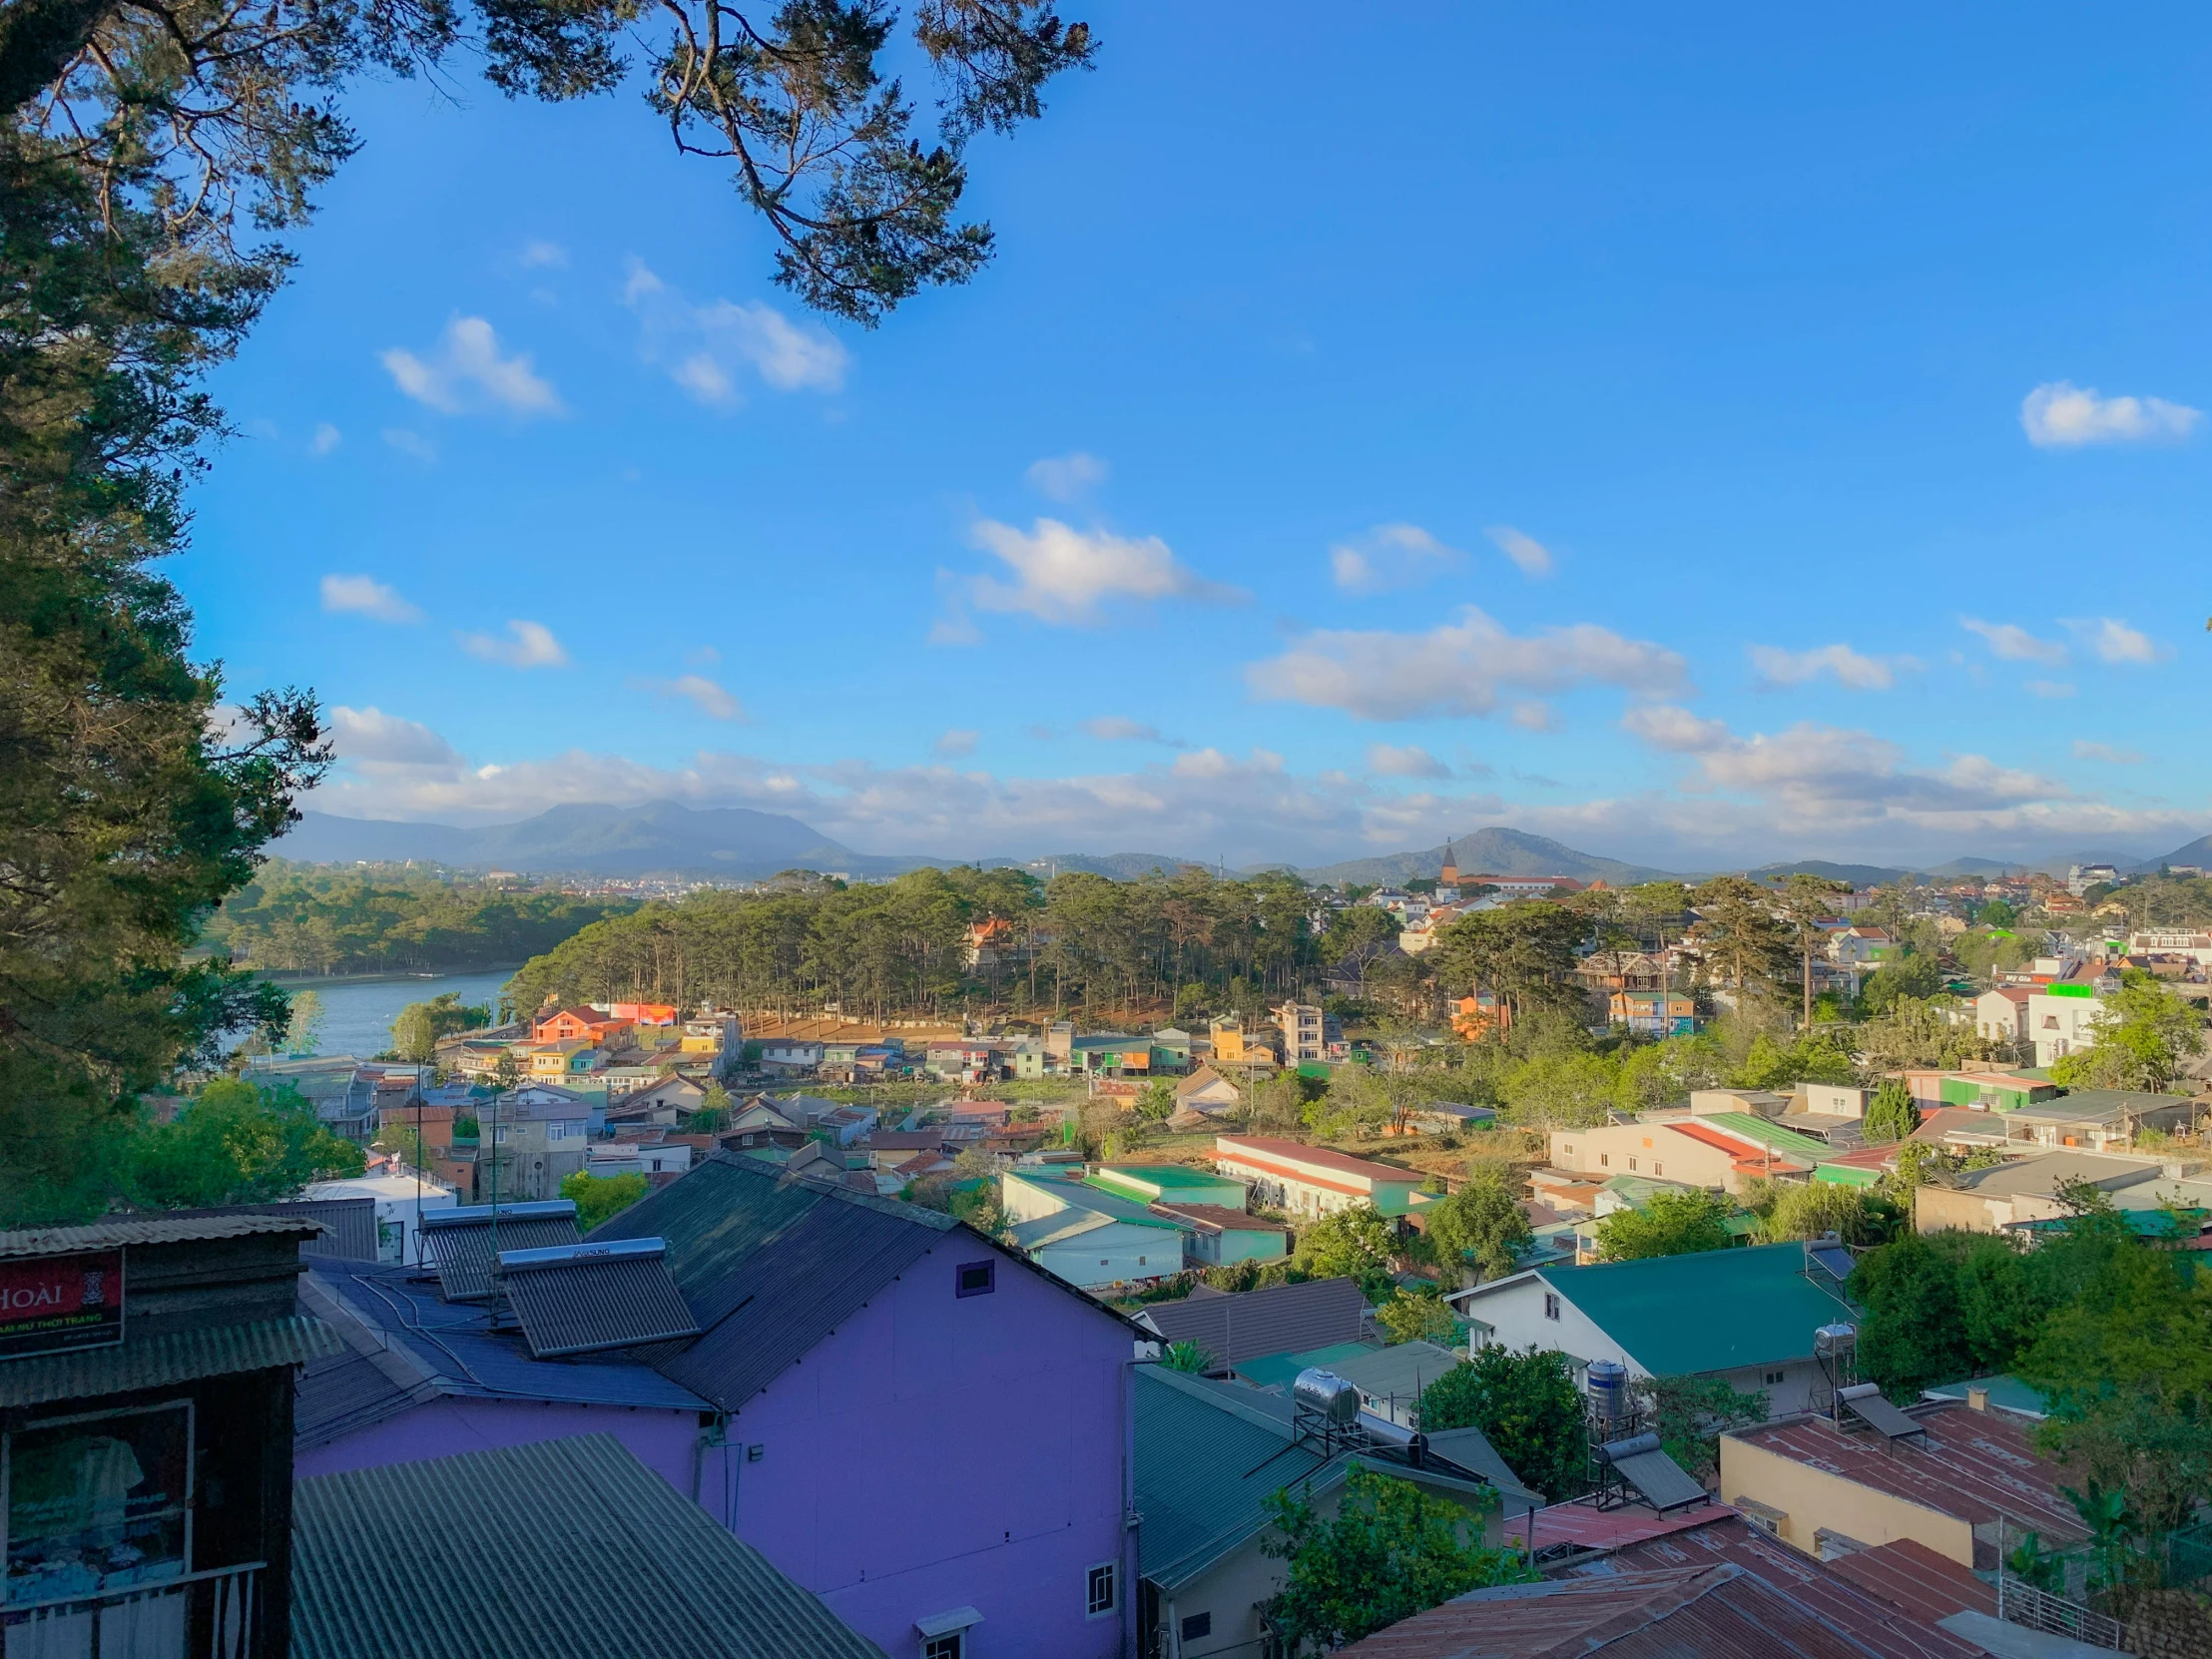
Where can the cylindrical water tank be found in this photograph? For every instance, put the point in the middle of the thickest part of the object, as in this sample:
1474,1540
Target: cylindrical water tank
1608,1385
1834,1339
1325,1391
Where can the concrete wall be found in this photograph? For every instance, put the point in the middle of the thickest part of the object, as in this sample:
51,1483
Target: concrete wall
1641,1149
893,1480
1814,1499
1114,1254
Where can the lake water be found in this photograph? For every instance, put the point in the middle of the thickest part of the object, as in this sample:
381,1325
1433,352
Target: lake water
358,1013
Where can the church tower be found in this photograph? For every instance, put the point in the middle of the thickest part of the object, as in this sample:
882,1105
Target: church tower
1450,875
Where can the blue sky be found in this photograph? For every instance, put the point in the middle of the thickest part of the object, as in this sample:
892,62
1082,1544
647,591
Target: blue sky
1703,437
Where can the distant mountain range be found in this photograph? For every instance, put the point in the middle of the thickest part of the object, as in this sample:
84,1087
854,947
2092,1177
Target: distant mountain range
661,837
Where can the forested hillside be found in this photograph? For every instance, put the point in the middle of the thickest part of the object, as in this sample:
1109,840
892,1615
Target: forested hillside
306,918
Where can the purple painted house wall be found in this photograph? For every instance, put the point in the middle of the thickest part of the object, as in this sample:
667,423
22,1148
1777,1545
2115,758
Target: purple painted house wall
662,1441
942,1451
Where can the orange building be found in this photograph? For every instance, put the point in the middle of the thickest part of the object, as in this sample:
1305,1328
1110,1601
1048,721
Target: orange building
1476,1017
587,1023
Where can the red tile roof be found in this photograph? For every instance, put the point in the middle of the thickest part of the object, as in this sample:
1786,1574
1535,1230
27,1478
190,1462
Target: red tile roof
1975,1465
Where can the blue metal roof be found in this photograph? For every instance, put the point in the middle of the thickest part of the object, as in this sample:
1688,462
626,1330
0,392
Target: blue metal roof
453,1345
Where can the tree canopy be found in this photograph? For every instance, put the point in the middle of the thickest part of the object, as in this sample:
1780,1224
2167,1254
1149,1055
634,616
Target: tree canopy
235,1144
1526,1406
1670,1223
1392,1550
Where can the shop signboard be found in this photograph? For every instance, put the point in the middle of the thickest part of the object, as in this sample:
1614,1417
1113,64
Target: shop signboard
60,1304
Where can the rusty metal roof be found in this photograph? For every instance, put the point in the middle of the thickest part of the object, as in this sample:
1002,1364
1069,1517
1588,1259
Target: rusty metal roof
1975,1465
1881,1627
1906,1573
1582,1525
1719,1611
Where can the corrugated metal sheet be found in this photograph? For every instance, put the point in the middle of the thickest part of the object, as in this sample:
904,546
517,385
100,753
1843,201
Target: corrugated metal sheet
1283,1319
770,1263
1470,1449
1885,1629
592,1303
1906,1573
455,1347
342,1394
1977,1465
160,1362
1204,1469
463,1251
348,1224
566,1549
1716,1612
190,1228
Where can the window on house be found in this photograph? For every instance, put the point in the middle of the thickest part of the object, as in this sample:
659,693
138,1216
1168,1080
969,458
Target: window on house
1657,1167
1631,1163
953,1646
977,1277
1605,1160
1552,1305
1098,1591
1196,1626
1772,1378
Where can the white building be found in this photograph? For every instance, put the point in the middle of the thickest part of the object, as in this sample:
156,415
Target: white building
401,1200
2192,942
2062,1019
2002,1015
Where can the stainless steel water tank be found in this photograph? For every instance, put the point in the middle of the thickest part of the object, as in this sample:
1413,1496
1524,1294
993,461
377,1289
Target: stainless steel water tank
1834,1339
1608,1387
1325,1391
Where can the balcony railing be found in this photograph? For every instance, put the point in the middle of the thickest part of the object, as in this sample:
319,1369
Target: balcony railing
215,1614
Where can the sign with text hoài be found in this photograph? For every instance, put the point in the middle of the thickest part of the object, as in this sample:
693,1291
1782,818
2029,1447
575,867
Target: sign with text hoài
58,1304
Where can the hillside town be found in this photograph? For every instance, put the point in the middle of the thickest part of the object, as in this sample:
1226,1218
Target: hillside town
1681,1360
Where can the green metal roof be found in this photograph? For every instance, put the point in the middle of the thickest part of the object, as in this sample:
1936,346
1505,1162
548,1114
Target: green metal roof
1206,1462
1271,1371
1766,1134
165,1360
1846,1175
1084,1195
508,1555
1717,1309
2009,1391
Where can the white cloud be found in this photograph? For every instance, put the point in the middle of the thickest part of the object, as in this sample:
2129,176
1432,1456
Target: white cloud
708,697
1390,760
1676,730
1533,557
954,743
707,349
375,740
2060,415
2115,642
1457,668
2049,688
1389,556
1067,477
1118,729
1778,666
533,645
326,439
2012,643
365,596
2084,749
1065,575
539,253
466,372
410,443
1534,716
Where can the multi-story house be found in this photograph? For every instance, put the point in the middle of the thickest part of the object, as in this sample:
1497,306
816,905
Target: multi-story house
1303,1036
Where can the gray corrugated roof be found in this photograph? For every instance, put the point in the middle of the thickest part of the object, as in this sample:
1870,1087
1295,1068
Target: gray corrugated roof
348,1224
512,1553
1399,1371
1470,1449
454,1346
150,1230
158,1362
770,1263
1283,1319
587,1304
341,1393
